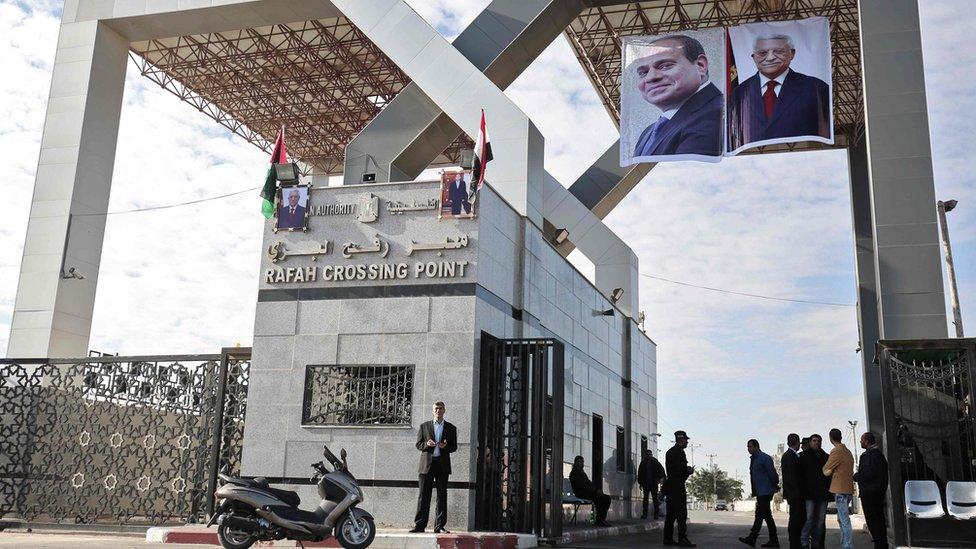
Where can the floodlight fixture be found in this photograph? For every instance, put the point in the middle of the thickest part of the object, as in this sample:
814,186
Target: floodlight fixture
561,236
950,205
616,294
286,173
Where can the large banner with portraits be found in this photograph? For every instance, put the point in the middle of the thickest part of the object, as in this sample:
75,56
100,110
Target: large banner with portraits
701,95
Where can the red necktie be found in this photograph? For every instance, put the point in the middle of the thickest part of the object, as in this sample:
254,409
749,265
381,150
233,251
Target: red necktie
769,98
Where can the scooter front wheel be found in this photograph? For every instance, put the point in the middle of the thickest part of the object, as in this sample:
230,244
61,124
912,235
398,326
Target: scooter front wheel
355,532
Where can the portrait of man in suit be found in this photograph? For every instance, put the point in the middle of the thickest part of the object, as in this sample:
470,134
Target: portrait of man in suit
291,212
455,201
436,440
673,76
778,102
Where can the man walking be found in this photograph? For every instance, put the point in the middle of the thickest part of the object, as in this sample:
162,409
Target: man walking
793,489
583,488
815,492
436,440
765,483
677,472
872,482
650,473
840,469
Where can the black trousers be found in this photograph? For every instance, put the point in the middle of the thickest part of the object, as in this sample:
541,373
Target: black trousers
652,492
601,504
677,513
798,517
873,507
436,475
763,513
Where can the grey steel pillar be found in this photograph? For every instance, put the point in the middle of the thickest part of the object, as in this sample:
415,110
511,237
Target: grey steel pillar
908,263
867,301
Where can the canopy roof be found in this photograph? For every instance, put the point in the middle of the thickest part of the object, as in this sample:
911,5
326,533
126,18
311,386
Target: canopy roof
325,81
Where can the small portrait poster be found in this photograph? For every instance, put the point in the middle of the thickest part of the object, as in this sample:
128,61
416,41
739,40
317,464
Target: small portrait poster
292,208
672,101
455,198
779,83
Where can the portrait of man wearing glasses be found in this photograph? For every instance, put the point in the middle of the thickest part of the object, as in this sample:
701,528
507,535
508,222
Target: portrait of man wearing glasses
777,101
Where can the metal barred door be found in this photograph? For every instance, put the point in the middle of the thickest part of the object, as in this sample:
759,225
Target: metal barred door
520,436
118,439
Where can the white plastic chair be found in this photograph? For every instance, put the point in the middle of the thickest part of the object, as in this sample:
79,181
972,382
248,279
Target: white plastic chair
961,499
923,500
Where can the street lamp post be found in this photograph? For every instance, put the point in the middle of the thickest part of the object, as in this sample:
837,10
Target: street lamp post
944,207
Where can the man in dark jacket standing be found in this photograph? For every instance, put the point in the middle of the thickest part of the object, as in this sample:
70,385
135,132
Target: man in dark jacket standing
872,483
650,473
793,489
765,483
816,492
583,488
436,440
677,471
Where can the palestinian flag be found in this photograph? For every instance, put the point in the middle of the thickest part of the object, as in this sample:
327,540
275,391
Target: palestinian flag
278,156
482,155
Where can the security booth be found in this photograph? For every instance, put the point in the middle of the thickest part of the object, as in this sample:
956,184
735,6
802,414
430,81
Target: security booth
928,387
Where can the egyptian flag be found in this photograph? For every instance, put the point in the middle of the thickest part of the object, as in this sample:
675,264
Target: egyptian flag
731,82
278,156
482,155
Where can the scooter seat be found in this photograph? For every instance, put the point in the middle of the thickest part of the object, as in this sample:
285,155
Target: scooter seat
261,483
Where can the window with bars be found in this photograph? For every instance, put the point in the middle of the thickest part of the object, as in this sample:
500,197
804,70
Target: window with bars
358,395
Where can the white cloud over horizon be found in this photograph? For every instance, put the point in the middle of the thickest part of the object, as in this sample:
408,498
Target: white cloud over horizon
730,368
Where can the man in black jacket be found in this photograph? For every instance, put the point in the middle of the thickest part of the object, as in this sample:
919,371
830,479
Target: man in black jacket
793,489
436,440
583,488
650,473
872,483
677,471
816,492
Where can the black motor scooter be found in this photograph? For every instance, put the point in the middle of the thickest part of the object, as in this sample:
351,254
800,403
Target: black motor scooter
250,510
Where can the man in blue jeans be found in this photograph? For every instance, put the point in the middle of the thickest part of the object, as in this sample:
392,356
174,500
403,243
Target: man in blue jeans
815,492
765,483
840,469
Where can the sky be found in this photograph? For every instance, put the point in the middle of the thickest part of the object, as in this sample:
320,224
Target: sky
730,368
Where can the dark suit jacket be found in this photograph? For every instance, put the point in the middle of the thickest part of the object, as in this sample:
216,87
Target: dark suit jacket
582,487
676,468
649,473
792,481
288,221
695,129
459,198
872,473
815,485
425,433
802,109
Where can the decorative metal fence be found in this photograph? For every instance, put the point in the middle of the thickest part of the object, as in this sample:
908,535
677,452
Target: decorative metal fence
121,439
928,388
358,395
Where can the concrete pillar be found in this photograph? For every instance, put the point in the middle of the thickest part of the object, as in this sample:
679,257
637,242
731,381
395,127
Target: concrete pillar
52,314
461,90
410,132
907,257
867,295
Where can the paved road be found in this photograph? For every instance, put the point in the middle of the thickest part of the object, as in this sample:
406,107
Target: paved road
720,530
708,529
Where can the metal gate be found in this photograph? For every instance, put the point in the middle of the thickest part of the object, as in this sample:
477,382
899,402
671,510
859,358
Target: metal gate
930,424
120,439
520,436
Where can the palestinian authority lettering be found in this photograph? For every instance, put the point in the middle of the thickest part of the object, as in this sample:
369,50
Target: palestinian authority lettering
278,252
449,244
367,271
379,246
331,209
399,208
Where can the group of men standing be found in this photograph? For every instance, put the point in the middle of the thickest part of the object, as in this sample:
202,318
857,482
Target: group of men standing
811,478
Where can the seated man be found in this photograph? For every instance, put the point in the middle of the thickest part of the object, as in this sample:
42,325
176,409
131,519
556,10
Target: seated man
585,489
